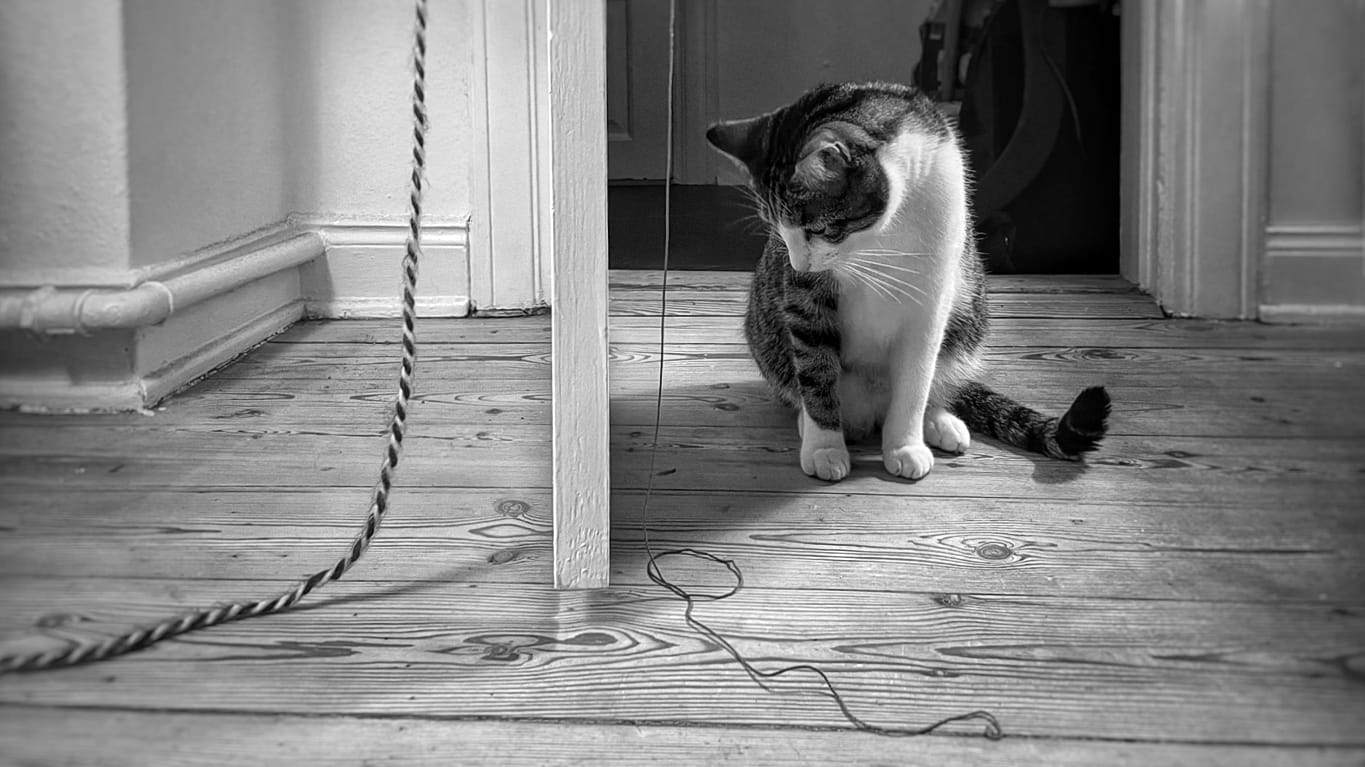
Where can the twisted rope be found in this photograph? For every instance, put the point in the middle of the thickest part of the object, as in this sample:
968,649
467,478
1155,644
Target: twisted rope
379,504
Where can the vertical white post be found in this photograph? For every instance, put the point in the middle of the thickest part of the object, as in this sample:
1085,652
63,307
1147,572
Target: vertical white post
578,242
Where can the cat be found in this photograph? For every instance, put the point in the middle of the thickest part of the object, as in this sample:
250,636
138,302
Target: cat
868,306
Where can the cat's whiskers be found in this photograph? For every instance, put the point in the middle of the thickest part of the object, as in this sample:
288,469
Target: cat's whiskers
884,284
903,269
751,223
900,283
885,265
859,276
888,253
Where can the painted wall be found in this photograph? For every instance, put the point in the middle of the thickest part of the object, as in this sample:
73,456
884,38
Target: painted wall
206,132
1318,99
136,133
349,120
63,149
1315,254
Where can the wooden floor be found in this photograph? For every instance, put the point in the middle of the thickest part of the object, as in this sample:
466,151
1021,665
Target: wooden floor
1193,596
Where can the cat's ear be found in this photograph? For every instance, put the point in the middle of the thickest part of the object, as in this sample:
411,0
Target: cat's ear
824,166
742,140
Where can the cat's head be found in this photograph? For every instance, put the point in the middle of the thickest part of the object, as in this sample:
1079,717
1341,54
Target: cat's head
815,166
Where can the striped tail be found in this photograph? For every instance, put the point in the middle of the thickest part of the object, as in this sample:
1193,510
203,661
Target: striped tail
1077,432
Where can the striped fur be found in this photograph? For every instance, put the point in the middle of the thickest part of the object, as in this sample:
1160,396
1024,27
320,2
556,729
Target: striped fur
868,307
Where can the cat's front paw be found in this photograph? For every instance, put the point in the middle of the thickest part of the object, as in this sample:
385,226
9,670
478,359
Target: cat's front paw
909,461
827,463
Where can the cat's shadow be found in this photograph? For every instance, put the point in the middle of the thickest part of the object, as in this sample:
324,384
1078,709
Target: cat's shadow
749,404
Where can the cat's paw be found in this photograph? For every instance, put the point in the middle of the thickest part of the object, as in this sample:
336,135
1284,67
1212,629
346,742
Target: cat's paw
908,461
946,431
827,463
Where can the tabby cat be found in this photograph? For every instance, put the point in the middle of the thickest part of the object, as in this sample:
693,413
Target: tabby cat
868,306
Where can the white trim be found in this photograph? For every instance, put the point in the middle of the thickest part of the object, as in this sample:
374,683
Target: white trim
360,276
507,269
53,310
131,278
577,147
1343,240
1314,314
219,351
1199,198
37,389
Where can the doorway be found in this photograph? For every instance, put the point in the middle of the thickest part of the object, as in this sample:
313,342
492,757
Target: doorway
1055,212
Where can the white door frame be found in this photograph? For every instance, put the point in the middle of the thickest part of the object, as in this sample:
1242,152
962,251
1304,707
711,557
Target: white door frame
1194,198
1196,149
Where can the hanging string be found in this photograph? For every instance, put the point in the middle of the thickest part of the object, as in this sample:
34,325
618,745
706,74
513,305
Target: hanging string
146,636
654,570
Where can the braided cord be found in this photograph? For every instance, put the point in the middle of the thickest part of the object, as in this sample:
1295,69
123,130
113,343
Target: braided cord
379,504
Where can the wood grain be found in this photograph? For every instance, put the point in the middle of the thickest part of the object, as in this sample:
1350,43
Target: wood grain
1047,667
702,301
1190,596
1177,470
36,736
621,279
1111,549
1237,410
1042,331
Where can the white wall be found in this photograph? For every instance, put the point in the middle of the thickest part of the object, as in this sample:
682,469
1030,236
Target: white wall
1315,246
231,117
187,142
63,148
349,116
206,131
1318,94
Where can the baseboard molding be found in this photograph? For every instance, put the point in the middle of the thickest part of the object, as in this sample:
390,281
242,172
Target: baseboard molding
1314,274
364,308
129,346
186,370
1315,240
139,392
1314,314
126,349
361,277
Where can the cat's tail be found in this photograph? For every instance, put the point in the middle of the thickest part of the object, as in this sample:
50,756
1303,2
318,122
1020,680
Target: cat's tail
993,414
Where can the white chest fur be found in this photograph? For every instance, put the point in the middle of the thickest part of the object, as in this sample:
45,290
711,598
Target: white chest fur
897,279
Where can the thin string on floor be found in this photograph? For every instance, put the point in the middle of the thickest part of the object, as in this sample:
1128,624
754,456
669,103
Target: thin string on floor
655,571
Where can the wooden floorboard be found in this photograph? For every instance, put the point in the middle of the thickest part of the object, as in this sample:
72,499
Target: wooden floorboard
100,738
1046,667
1001,546
1192,596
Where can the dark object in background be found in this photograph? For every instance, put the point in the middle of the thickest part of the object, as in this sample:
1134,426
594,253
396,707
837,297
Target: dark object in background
714,227
1040,117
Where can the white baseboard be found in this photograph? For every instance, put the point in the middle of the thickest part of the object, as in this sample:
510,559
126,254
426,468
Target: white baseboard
1344,240
156,333
361,277
1314,274
40,393
154,337
1314,314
